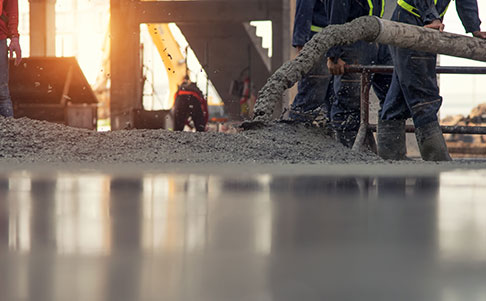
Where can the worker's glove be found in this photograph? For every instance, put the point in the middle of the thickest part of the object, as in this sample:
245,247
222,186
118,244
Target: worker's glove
336,68
15,47
479,34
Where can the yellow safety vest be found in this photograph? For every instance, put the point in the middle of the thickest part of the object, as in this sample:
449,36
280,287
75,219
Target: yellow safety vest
370,3
414,11
315,28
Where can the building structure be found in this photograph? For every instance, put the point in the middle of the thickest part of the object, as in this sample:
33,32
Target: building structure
216,30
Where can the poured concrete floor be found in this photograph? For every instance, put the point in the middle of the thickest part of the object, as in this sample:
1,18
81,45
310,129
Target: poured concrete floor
96,235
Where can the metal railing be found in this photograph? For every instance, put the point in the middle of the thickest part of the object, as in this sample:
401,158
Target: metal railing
365,134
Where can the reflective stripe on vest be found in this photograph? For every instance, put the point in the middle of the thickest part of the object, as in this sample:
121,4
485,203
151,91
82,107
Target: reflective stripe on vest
370,3
191,93
414,11
315,28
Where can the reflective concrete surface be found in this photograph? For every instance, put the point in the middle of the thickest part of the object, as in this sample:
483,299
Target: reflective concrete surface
96,236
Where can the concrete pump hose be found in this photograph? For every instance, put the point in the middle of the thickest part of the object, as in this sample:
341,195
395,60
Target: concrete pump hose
371,29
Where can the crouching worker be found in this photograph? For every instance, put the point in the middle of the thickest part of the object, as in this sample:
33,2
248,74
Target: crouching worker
414,91
190,102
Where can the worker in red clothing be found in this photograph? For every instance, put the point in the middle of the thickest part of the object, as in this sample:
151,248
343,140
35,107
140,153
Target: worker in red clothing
190,102
9,22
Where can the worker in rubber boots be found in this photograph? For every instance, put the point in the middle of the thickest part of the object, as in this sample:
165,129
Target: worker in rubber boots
310,18
345,111
190,102
9,21
414,91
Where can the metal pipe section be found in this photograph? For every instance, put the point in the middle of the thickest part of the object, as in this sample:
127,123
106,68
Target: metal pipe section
428,40
370,29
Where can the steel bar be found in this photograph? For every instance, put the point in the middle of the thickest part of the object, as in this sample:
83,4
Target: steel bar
360,142
365,127
440,69
447,129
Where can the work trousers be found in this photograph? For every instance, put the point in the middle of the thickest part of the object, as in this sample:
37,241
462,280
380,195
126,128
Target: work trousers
414,91
345,111
188,106
5,101
313,92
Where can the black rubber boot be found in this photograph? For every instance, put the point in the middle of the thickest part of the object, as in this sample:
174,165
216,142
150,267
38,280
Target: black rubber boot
391,140
432,143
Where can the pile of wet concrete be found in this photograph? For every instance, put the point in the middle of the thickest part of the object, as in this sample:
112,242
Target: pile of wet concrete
26,140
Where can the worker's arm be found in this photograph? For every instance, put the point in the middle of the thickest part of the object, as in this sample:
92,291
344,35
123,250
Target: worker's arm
426,9
469,14
338,13
303,22
11,11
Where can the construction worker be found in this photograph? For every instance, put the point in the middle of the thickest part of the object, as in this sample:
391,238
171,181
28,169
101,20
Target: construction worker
345,111
9,21
414,91
310,18
190,102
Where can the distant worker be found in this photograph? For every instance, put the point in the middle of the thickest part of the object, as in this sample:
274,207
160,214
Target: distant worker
9,21
345,112
310,18
414,91
190,102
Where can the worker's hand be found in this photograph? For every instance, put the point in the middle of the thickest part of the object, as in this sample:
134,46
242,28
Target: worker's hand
336,68
15,47
436,24
299,49
479,34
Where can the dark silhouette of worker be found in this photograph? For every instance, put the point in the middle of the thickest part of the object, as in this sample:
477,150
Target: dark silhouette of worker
414,90
190,102
345,109
314,89
9,21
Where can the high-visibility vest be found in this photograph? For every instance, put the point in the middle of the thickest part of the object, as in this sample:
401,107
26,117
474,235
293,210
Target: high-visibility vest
414,11
376,8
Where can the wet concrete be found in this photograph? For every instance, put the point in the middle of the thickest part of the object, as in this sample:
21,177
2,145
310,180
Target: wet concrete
95,235
27,141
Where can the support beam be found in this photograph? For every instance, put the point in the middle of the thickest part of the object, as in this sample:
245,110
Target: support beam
204,11
42,27
126,74
221,15
281,45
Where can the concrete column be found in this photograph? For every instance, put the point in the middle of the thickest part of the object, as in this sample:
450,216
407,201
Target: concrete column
281,40
126,75
293,52
42,27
